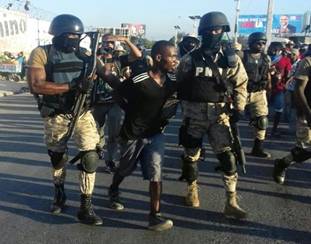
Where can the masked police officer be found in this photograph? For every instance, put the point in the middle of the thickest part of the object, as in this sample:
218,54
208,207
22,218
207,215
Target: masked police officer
188,44
257,64
205,76
54,72
302,151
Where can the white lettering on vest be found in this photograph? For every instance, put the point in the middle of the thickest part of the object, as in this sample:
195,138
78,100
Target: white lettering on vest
206,71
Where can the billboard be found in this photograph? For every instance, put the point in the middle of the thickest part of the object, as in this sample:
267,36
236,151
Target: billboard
19,32
282,25
114,31
138,30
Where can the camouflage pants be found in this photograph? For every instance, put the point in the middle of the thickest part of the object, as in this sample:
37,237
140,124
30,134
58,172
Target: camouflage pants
303,134
86,138
207,118
258,106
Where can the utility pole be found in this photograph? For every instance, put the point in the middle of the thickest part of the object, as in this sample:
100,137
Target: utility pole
177,28
269,22
194,18
236,21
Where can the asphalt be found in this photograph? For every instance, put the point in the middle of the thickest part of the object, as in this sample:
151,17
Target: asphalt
277,214
8,88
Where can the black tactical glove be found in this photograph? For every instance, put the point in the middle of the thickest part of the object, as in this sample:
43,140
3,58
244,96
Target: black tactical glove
235,116
80,85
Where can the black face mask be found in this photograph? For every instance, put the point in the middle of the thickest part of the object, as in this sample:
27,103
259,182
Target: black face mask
211,42
65,44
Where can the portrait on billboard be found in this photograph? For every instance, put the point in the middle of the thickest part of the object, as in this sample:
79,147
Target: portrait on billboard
285,27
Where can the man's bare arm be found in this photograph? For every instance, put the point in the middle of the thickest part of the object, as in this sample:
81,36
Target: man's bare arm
105,74
135,53
36,78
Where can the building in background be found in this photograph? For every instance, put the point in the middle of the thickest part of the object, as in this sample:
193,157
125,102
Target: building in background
21,32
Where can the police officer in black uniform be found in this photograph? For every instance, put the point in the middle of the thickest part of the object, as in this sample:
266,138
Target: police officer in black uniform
188,44
257,65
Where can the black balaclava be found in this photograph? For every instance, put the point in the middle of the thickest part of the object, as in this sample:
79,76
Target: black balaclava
211,42
66,44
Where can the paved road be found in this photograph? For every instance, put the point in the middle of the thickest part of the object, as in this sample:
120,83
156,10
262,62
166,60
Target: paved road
278,214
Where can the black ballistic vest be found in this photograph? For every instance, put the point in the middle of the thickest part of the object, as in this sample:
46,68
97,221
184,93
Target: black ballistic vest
202,85
61,68
257,69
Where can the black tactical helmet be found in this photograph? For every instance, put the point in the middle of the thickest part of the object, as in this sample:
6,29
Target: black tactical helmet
211,20
66,23
256,36
190,38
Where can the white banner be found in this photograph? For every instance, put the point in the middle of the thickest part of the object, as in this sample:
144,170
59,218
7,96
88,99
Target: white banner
19,32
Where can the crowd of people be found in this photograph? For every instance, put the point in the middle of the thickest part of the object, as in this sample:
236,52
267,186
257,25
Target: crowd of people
135,95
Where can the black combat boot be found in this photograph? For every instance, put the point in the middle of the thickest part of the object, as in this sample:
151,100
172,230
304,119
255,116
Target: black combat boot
59,199
279,171
258,151
86,214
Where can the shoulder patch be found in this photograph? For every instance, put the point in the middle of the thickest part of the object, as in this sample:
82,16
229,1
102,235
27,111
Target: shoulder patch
140,77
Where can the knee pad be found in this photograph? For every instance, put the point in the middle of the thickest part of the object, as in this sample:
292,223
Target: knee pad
189,170
227,162
58,159
300,154
260,122
89,161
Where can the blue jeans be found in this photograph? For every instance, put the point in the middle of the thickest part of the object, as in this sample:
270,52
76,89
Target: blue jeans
149,152
278,102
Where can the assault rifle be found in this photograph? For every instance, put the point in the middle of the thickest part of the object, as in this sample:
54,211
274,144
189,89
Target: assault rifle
87,76
237,146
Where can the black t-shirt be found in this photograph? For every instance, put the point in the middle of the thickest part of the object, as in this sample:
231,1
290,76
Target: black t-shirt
144,102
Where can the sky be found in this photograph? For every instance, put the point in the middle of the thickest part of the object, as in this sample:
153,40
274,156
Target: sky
159,16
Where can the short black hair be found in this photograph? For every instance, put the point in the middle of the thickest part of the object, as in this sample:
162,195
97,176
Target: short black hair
159,47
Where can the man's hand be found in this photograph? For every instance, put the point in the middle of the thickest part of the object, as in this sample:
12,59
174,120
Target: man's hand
80,85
